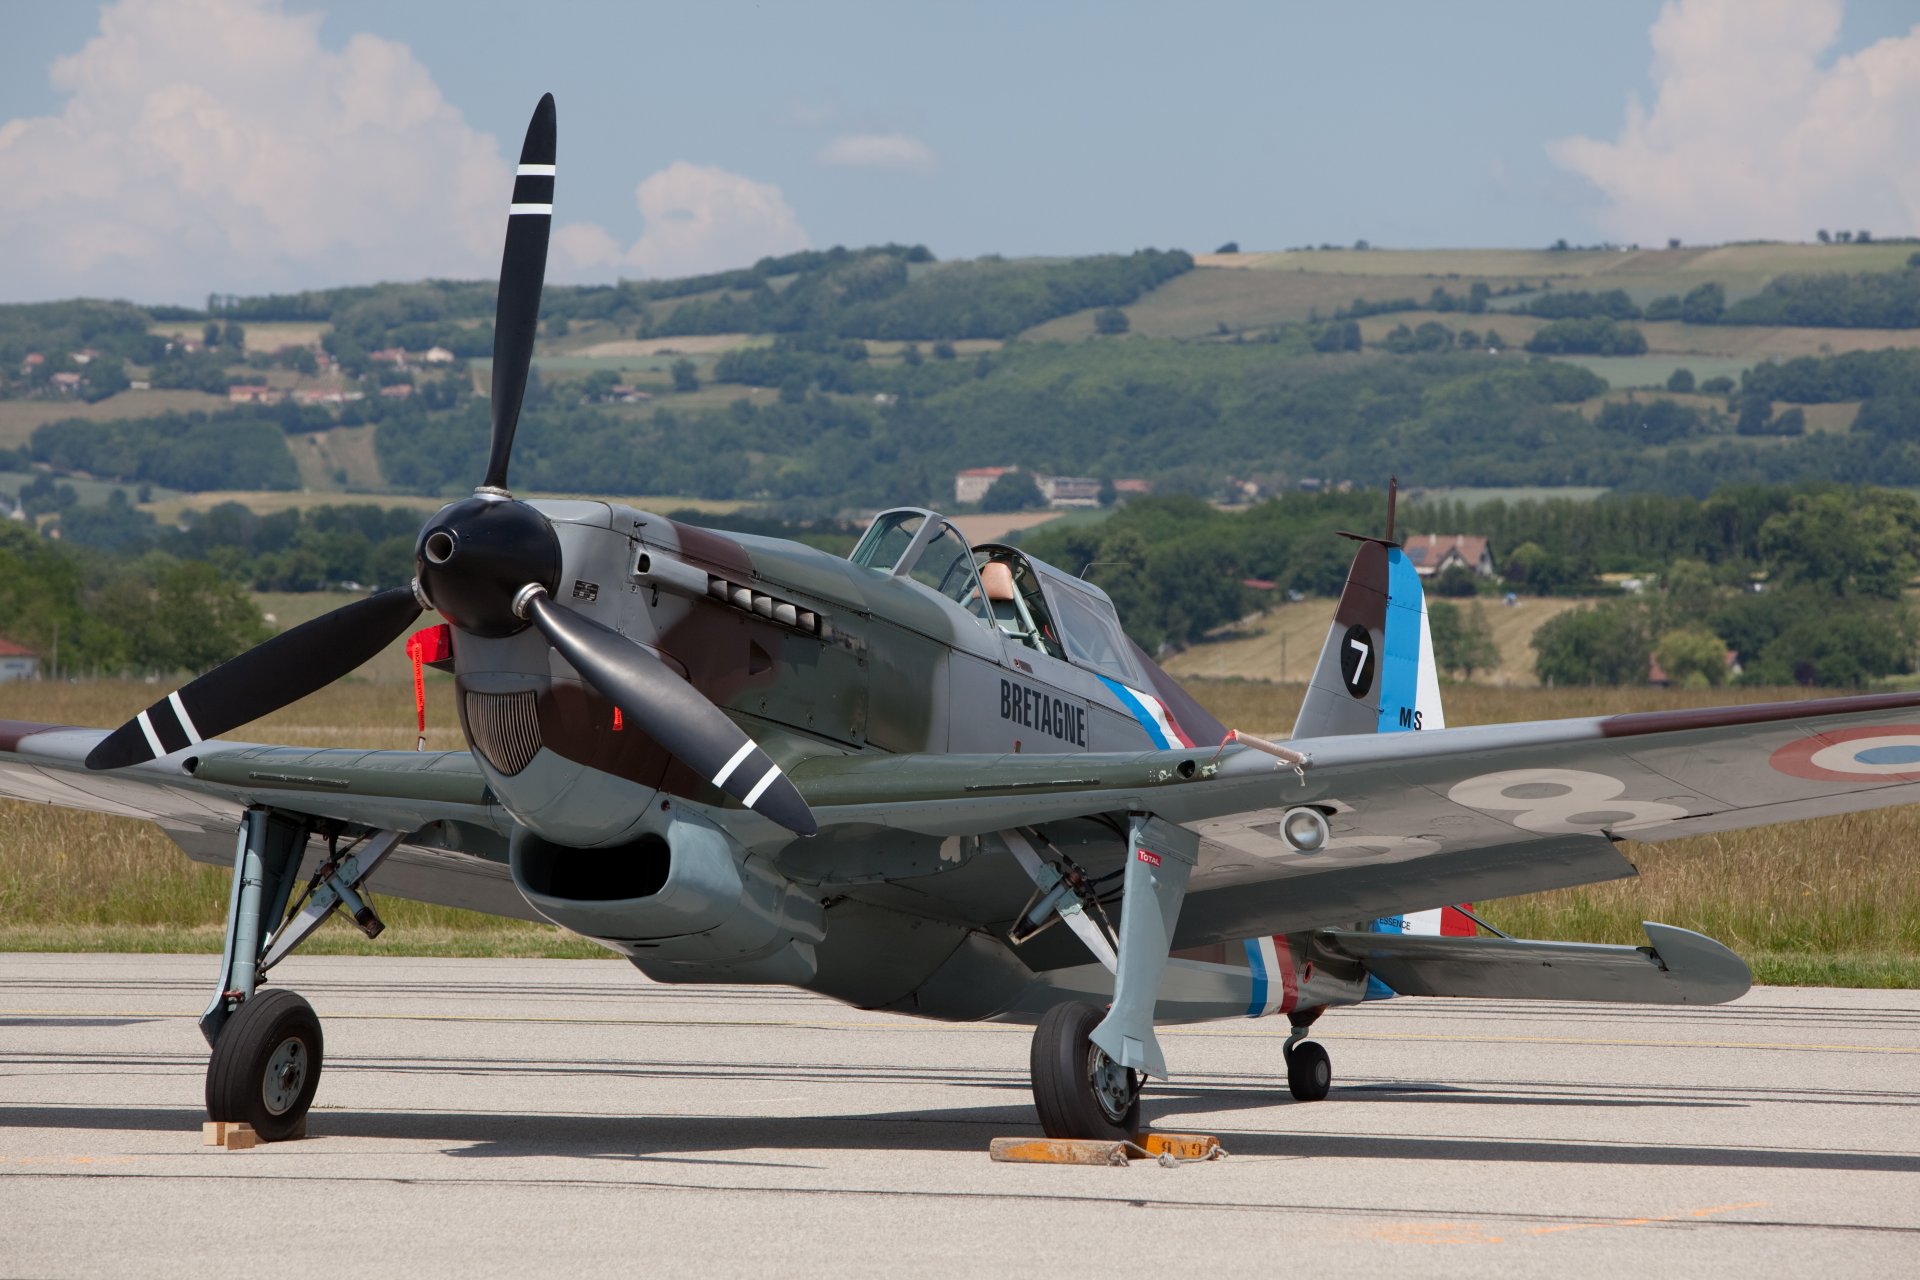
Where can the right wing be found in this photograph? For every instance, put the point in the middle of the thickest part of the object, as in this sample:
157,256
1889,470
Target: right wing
1419,820
454,853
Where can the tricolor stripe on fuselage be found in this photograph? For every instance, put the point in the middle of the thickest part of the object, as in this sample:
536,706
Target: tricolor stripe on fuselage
1276,987
1152,715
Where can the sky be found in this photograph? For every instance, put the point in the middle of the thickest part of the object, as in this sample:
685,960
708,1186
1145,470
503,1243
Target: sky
160,150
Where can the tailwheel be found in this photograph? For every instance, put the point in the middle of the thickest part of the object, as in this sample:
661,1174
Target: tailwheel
1078,1090
1309,1072
266,1065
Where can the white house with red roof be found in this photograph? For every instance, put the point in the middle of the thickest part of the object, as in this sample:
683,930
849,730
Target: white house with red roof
1434,553
17,662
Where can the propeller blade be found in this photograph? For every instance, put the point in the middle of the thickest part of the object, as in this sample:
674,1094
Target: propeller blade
523,266
265,678
673,713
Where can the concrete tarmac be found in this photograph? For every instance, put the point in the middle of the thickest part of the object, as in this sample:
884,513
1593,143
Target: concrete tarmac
515,1118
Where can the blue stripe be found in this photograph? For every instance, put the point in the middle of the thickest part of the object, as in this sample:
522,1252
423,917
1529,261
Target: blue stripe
1257,968
1400,659
1376,989
1140,712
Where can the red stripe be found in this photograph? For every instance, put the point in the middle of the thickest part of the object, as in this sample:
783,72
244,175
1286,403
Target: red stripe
1455,925
1289,981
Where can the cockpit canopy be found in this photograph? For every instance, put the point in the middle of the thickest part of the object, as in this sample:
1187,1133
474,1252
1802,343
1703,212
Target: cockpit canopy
1026,599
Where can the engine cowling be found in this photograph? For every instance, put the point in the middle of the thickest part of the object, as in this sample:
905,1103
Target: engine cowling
681,900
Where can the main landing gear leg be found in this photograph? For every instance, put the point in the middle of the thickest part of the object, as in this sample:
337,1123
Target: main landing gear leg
1087,1070
267,1047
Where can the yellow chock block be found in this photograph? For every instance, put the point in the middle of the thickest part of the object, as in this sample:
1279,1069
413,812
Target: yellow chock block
1167,1148
1058,1151
230,1134
1181,1146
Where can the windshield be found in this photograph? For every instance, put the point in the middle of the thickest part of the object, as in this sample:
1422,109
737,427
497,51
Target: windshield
1090,631
946,565
886,540
927,549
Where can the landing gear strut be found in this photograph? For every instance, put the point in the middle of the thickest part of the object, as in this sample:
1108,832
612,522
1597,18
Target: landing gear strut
1087,1068
267,1046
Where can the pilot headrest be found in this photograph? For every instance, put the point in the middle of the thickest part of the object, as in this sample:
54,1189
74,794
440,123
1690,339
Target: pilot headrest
997,579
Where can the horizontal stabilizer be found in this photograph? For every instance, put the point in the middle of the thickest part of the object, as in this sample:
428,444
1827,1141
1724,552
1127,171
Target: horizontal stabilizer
1680,967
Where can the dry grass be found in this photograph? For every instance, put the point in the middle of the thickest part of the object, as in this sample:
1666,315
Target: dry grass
1834,901
1284,642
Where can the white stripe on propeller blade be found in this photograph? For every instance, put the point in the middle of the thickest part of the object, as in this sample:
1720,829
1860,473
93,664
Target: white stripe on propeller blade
153,739
766,781
186,721
534,171
726,770
529,208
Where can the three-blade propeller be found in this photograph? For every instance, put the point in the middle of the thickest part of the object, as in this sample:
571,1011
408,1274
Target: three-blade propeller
489,564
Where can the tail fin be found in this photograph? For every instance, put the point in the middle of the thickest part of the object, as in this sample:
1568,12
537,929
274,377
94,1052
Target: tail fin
1376,673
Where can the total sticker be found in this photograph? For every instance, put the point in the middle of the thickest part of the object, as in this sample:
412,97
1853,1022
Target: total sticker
1882,752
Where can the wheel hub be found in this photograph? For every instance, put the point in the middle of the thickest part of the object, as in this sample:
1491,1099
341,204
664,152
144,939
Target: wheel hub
1114,1086
285,1075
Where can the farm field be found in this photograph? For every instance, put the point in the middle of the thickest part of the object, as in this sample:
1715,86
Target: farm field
1283,644
1833,902
18,418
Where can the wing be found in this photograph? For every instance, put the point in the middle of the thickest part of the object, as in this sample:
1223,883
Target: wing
454,854
1422,819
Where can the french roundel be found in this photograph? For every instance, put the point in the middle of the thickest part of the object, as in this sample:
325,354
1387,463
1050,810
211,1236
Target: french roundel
1880,752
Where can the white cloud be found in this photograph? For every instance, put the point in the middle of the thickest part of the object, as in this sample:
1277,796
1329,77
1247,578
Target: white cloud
698,219
1752,134
895,152
218,145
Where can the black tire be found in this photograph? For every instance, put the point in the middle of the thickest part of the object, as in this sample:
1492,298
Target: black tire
1065,1065
1309,1072
266,1065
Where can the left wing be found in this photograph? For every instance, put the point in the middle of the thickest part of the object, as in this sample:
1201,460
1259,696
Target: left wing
454,853
1423,819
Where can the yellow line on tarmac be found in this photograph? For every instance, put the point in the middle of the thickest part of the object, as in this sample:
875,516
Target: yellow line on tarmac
904,1024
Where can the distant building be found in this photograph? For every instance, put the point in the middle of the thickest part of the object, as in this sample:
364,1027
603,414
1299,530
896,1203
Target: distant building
17,662
1132,488
251,393
972,484
1069,491
437,355
1434,553
395,356
66,383
399,391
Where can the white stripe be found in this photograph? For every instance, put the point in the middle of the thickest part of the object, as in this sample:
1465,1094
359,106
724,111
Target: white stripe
1276,982
186,721
534,171
529,208
760,786
1422,922
153,739
726,770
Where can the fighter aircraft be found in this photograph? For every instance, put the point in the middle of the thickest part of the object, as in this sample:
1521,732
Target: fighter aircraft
885,778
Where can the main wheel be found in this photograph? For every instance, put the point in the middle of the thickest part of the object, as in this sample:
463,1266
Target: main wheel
1078,1090
266,1065
1309,1072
